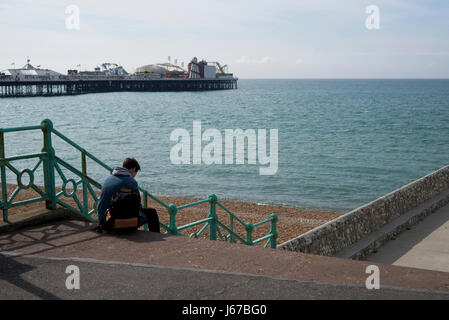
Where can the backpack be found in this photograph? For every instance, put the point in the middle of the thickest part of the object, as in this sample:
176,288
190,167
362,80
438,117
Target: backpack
123,213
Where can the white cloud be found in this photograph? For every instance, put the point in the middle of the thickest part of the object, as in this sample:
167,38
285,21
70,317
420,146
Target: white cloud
299,61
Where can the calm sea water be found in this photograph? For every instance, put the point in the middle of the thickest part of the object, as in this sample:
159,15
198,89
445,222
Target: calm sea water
342,143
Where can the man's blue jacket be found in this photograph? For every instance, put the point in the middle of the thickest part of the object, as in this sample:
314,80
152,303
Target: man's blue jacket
120,178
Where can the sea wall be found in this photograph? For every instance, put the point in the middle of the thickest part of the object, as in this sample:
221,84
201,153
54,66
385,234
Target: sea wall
342,232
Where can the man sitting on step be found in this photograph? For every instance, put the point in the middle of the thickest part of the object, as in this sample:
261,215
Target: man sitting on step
121,185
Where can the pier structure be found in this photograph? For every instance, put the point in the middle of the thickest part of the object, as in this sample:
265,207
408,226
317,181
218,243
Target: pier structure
20,88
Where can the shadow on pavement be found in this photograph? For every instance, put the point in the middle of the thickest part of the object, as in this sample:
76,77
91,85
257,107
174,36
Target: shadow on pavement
11,271
56,235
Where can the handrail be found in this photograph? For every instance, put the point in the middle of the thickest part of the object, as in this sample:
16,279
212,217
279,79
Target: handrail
21,129
73,144
52,166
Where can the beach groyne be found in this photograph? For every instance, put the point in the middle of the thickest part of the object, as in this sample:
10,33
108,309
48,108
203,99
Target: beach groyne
363,230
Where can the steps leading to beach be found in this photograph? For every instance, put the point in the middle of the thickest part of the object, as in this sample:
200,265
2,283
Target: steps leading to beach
388,232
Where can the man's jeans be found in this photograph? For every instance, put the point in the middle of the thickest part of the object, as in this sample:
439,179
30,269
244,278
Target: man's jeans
149,215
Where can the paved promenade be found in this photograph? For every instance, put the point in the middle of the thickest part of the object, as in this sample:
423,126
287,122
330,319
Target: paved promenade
147,265
424,246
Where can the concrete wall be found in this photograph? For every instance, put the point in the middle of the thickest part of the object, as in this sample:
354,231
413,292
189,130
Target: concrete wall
342,232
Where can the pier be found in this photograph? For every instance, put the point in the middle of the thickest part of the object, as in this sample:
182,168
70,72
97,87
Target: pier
32,88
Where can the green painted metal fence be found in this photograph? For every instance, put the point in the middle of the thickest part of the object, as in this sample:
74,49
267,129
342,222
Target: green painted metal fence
52,165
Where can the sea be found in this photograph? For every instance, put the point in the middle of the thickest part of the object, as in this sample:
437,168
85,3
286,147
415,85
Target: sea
340,143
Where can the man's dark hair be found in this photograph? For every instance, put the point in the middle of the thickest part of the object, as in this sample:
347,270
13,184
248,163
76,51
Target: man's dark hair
130,163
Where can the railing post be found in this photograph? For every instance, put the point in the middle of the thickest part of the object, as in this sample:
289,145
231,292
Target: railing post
85,183
49,165
249,233
231,226
145,205
3,177
85,197
273,231
84,163
213,214
172,210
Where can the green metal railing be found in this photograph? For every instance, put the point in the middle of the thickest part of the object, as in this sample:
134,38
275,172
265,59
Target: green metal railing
53,165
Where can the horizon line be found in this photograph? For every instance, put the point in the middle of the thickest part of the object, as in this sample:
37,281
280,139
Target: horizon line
391,78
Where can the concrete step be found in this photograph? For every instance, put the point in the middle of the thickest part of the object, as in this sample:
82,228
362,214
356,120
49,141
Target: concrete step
184,263
378,238
37,217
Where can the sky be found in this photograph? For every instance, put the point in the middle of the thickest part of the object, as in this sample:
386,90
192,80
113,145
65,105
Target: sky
256,39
